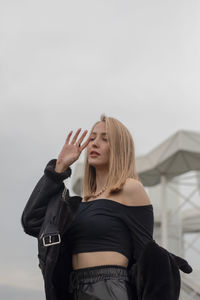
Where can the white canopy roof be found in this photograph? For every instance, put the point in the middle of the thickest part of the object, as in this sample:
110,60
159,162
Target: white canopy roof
179,154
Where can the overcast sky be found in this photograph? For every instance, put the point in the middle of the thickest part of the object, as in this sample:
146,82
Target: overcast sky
63,64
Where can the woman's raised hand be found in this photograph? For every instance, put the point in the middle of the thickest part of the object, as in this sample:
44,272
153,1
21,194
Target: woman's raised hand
71,151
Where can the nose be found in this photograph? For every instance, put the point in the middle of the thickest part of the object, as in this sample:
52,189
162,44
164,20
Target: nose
95,143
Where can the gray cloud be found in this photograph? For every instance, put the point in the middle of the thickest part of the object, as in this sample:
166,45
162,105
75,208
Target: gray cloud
65,63
10,292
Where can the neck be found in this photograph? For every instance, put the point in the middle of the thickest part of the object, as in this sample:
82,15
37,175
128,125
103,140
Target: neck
101,178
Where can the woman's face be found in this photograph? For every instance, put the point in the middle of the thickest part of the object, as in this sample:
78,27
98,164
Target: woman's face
98,143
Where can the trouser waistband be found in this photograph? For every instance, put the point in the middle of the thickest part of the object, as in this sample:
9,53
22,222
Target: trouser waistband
96,273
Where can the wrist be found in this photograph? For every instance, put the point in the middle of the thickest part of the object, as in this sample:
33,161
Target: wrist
59,169
57,174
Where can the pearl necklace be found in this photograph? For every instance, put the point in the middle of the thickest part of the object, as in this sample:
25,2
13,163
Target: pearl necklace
104,188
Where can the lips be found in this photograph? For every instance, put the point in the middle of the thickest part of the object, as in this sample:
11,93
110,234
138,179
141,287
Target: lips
94,153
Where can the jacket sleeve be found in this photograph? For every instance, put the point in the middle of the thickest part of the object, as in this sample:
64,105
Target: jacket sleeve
156,273
140,222
50,184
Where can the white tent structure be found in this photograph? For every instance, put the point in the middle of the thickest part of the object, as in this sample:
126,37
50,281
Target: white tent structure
164,167
179,154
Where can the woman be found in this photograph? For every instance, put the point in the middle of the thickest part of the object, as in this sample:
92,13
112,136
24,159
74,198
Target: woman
111,227
109,174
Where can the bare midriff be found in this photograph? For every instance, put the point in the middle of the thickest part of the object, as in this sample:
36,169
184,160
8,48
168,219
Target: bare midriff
91,259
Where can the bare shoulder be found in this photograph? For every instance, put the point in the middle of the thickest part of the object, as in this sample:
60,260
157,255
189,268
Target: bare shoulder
135,193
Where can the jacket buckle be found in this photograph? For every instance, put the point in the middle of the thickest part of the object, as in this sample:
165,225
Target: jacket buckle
51,239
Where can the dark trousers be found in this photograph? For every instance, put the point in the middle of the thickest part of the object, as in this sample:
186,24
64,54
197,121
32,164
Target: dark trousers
105,282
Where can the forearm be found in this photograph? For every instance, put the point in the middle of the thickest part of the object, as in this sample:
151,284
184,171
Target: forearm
49,184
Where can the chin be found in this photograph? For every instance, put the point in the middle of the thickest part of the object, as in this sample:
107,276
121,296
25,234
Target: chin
93,164
97,165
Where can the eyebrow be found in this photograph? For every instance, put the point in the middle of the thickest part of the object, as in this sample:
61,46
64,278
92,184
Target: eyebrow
103,133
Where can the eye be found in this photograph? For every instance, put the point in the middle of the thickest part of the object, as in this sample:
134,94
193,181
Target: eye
104,139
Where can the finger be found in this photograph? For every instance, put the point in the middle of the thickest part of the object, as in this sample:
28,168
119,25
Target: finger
82,137
68,137
76,135
85,144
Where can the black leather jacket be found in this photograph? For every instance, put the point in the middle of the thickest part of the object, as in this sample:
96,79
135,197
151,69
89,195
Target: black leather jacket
49,213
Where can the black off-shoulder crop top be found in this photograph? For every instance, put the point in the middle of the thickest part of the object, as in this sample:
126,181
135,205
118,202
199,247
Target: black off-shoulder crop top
107,225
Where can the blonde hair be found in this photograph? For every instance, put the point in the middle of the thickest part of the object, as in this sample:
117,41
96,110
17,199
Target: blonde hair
121,161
